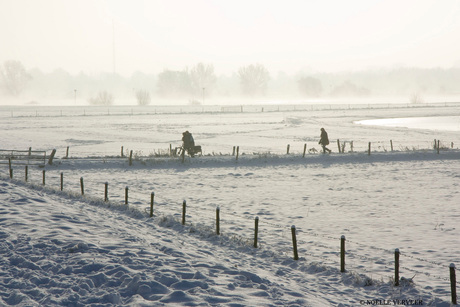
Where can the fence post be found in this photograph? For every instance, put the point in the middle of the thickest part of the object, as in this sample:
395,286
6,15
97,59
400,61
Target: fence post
391,144
44,172
152,196
50,160
26,172
369,149
287,151
10,168
67,153
237,152
351,146
62,181
294,243
453,283
82,186
342,254
184,206
304,150
130,158
256,230
126,195
233,153
170,150
437,147
106,192
122,151
338,145
397,267
218,221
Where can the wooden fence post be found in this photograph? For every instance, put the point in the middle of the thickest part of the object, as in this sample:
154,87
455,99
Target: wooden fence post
338,145
50,160
304,150
369,149
391,144
437,147
287,150
131,158
237,152
256,230
126,195
82,186
218,221
152,196
106,192
397,267
67,153
183,155
184,208
44,172
351,146
10,168
342,254
26,172
453,284
122,151
294,242
62,181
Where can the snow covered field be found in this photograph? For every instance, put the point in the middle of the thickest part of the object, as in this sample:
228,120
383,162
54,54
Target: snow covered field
59,248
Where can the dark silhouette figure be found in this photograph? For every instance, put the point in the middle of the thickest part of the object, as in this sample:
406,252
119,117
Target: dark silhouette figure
324,141
188,140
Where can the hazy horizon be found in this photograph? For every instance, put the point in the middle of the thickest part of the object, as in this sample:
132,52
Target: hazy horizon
329,36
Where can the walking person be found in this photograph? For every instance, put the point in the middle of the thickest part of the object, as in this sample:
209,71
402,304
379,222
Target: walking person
324,141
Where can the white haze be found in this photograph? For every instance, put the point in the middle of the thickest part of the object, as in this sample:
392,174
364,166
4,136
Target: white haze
95,36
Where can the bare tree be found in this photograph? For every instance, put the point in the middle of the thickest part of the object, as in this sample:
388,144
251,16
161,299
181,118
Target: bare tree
14,77
143,97
202,76
102,98
310,86
173,83
254,79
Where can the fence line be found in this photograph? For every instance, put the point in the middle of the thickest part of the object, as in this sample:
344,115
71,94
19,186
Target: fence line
314,234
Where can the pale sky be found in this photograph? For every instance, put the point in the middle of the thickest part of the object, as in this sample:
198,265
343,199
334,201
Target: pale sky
285,35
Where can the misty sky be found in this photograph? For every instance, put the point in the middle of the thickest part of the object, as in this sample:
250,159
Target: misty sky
151,35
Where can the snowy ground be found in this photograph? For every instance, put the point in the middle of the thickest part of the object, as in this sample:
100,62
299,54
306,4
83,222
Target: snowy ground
61,248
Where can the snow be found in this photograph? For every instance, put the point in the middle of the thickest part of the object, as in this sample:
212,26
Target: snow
62,248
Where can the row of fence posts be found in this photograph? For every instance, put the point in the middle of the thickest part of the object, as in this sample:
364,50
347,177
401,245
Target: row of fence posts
256,230
236,149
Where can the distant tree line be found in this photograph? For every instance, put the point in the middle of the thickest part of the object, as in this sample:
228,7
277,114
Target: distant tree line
201,80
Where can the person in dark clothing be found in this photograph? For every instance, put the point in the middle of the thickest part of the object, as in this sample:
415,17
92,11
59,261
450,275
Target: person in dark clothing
189,142
324,141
